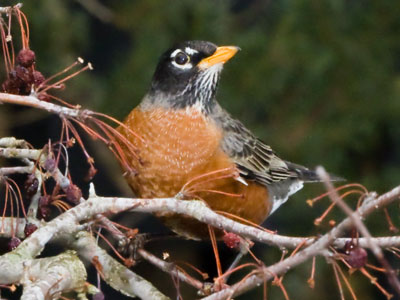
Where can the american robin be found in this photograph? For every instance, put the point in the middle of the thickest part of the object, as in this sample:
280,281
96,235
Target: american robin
189,145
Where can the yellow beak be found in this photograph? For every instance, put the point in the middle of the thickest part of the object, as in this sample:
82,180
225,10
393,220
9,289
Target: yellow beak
221,55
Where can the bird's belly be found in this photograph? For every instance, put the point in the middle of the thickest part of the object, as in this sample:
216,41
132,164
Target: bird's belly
176,146
180,153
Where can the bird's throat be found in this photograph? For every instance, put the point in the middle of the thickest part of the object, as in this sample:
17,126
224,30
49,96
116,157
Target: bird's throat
199,93
191,100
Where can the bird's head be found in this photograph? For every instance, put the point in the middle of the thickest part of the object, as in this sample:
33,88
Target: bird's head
188,74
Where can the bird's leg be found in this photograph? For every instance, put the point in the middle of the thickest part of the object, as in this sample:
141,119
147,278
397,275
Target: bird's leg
235,262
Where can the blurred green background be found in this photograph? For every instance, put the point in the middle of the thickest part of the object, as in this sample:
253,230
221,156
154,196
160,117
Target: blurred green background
317,80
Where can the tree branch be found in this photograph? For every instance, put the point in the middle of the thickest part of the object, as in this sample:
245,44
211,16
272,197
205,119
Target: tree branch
319,247
116,275
33,101
48,277
358,223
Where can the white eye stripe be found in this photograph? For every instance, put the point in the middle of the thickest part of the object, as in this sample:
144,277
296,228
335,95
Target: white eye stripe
190,51
183,67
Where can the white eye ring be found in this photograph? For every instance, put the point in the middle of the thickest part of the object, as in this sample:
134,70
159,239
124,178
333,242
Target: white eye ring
184,66
173,54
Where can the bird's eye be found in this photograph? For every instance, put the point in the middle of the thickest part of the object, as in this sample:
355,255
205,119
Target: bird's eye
181,58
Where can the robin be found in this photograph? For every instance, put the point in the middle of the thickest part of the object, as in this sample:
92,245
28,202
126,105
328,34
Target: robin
188,145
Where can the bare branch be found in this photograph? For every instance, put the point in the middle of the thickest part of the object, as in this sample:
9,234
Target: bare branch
13,263
8,9
115,274
48,277
15,170
33,101
355,218
171,269
317,248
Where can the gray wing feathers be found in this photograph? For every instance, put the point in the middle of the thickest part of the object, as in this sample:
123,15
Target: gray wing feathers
254,159
257,162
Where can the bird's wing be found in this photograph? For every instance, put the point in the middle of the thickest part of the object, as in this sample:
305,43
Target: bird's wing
254,159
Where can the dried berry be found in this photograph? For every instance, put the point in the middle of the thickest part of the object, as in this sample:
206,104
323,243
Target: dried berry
231,240
38,78
23,78
44,96
45,200
44,212
50,164
73,194
31,185
29,229
13,243
23,74
26,58
11,86
357,257
12,74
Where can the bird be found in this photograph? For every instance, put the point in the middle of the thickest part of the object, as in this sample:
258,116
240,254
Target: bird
188,145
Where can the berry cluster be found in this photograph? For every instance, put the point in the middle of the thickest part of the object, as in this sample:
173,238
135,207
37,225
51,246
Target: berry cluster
23,76
14,241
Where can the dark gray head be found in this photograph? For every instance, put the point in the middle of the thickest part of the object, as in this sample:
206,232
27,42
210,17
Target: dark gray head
188,74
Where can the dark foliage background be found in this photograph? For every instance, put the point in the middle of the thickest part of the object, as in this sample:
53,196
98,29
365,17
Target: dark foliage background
317,80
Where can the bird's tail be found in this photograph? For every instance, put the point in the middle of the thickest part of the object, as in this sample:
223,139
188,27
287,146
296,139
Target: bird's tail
307,175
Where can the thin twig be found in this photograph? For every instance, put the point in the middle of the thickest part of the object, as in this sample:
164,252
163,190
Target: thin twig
170,268
356,220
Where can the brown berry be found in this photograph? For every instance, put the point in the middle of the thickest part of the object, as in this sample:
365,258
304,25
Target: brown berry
73,194
50,164
44,212
45,200
13,243
31,185
23,74
38,78
11,85
357,257
26,58
349,246
29,229
44,96
231,240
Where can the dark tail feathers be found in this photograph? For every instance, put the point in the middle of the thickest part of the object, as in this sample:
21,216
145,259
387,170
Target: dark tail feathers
308,175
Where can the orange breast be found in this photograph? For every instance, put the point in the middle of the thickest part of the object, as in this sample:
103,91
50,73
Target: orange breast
180,152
